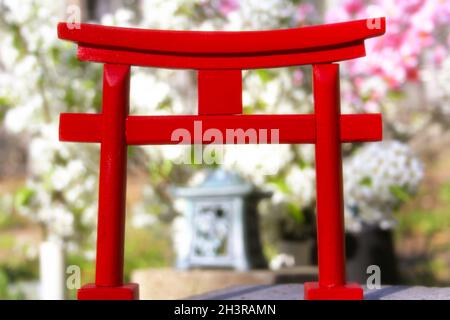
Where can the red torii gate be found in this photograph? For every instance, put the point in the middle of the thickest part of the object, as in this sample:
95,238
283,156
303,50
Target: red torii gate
219,58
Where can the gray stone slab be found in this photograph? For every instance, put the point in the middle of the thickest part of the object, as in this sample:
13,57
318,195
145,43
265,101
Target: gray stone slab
295,292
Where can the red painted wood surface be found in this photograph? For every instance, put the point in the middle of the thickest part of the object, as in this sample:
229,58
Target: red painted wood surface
348,291
113,166
80,127
222,50
219,92
330,204
124,292
154,130
330,200
219,58
198,62
222,42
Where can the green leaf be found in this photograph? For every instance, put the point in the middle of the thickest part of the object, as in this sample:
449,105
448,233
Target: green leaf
23,197
55,54
4,101
247,109
166,167
260,105
280,183
366,181
400,193
131,151
444,193
296,212
302,163
165,104
4,104
396,95
265,75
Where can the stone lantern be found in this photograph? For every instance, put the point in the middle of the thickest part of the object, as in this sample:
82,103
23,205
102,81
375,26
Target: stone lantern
220,226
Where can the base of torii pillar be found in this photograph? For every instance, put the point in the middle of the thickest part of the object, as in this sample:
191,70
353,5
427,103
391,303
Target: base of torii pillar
349,291
90,291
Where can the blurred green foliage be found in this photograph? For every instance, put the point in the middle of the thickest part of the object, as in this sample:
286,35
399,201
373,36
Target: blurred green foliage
145,248
426,221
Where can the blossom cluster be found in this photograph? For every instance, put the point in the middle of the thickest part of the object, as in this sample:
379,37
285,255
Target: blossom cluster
40,78
377,178
416,39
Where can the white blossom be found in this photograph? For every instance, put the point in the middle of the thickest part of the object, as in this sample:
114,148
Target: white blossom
301,183
257,162
377,178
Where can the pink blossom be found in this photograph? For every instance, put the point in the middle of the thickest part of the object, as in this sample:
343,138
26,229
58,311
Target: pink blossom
412,30
353,6
371,106
304,11
227,6
440,54
298,77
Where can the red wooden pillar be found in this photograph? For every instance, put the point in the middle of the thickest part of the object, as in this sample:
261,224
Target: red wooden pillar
330,203
112,193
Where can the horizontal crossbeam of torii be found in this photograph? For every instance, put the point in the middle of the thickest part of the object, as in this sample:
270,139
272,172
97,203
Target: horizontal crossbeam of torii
81,127
219,58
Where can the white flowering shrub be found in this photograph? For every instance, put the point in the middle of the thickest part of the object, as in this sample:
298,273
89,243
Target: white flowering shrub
377,179
40,77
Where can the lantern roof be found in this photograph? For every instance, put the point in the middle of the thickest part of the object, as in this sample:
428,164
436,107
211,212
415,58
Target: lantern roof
219,182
